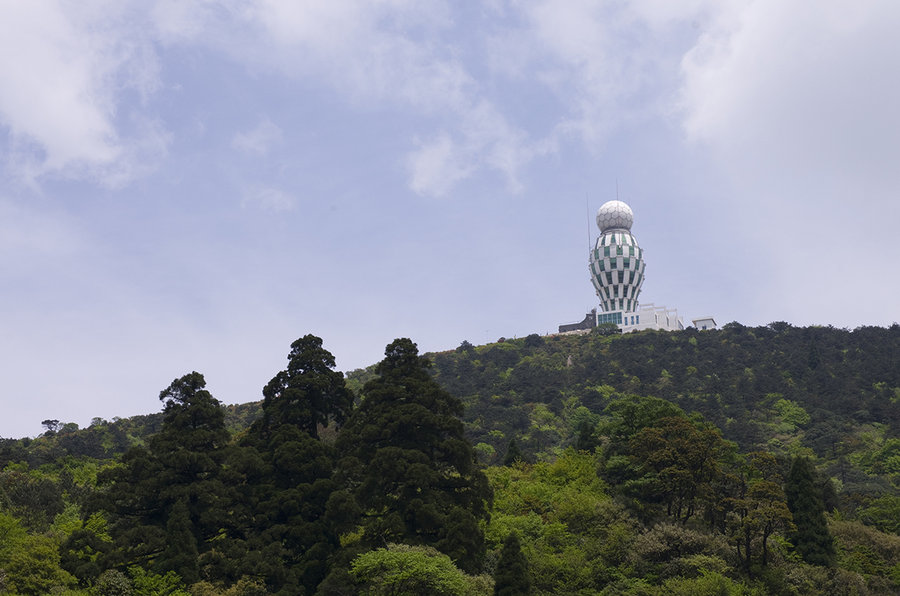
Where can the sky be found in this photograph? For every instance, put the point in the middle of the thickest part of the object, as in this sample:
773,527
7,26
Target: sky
194,185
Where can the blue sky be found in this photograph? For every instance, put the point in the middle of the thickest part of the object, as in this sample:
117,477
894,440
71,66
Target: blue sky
193,185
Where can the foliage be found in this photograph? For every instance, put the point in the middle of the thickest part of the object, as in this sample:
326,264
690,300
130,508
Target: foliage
408,465
709,583
113,582
647,463
511,577
810,536
401,570
30,563
759,508
572,533
168,501
308,393
146,583
883,513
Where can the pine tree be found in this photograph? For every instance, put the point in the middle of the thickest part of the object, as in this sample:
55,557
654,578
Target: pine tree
180,554
513,453
408,464
308,392
811,539
168,501
511,577
288,492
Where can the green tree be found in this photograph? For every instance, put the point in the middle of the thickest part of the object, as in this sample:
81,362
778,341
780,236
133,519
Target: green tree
287,473
627,416
408,464
761,508
585,438
30,565
678,460
169,501
607,329
811,538
400,570
147,583
180,554
113,582
883,513
309,392
513,453
511,577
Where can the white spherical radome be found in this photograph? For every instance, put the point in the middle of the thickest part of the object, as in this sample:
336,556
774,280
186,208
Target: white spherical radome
614,215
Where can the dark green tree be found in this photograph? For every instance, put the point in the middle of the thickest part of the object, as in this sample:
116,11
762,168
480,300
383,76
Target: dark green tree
606,329
513,453
534,341
287,472
511,577
585,437
811,539
408,464
180,554
169,501
465,348
309,392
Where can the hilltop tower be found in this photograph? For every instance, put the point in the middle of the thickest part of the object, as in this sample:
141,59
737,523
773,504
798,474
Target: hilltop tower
617,262
617,273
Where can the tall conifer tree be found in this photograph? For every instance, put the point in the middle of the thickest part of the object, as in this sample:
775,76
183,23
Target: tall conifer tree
169,500
309,392
408,464
287,495
511,577
811,539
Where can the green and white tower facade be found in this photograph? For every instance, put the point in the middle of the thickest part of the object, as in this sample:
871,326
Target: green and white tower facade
617,273
617,263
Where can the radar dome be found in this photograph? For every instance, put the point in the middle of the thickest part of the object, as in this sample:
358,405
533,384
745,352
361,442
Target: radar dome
614,215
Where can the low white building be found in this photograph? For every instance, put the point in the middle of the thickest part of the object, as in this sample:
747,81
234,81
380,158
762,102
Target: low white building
647,316
704,323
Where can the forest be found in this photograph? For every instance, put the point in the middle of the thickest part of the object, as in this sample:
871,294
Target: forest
744,460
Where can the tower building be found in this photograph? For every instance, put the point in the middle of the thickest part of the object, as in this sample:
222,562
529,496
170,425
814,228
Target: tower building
617,262
617,273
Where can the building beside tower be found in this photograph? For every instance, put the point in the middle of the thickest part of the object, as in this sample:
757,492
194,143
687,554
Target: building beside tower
617,273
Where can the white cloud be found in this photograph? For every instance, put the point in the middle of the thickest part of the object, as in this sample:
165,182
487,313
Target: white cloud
380,52
259,139
268,198
377,55
607,63
799,89
436,166
797,102
63,66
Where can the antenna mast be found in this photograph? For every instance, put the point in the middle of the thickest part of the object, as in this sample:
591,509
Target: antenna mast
587,213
